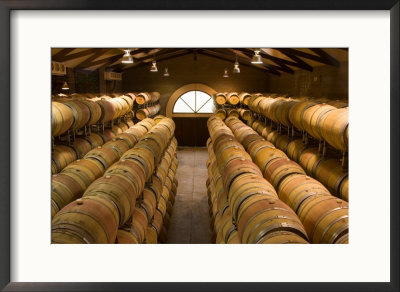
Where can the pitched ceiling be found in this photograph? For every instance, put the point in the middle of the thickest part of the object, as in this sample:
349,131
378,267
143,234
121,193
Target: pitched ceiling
276,61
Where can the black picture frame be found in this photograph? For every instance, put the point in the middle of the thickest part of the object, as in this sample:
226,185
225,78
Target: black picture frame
6,7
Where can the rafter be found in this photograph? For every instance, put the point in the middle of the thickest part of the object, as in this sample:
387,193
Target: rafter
282,62
88,62
75,55
62,54
324,58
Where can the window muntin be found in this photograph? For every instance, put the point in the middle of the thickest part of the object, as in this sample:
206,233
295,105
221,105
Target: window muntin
194,101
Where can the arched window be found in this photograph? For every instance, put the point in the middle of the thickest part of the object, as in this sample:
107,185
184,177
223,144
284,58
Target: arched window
194,101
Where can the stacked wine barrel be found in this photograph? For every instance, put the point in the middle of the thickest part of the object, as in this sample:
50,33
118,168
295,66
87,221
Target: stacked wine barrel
231,98
324,216
63,154
245,207
109,202
147,104
326,121
327,170
151,217
76,112
76,177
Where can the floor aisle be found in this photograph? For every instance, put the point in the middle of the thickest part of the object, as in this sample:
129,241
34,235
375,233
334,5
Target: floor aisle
190,222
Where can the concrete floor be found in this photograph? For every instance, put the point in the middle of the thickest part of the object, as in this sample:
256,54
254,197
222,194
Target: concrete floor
190,221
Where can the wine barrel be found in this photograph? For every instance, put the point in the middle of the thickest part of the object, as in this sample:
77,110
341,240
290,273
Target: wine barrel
126,237
331,174
94,109
295,148
333,128
267,215
147,97
344,189
282,237
107,109
81,146
296,113
95,140
312,118
118,146
309,160
80,111
63,155
86,220
282,142
273,137
279,169
118,189
65,187
244,98
104,155
139,224
62,118
141,114
233,98
107,135
88,169
295,189
325,218
220,98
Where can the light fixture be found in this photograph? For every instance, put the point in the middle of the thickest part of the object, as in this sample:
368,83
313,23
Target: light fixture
127,58
166,73
256,58
65,86
153,67
225,73
236,69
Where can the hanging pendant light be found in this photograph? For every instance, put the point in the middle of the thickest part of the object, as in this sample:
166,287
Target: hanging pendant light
65,86
236,69
225,73
256,58
166,73
153,67
127,58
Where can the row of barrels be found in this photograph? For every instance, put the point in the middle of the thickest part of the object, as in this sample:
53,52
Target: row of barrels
109,201
139,98
328,171
232,98
73,113
325,217
151,217
77,176
322,120
224,113
147,112
62,155
241,199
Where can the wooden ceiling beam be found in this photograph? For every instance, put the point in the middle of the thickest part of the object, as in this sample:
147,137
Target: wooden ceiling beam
213,54
283,62
88,62
324,59
75,55
326,56
280,65
61,54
